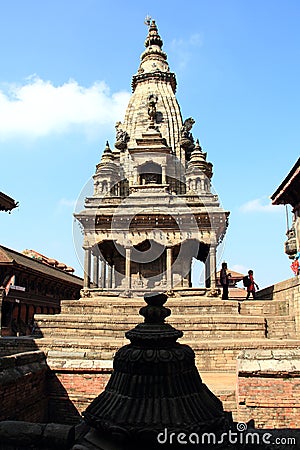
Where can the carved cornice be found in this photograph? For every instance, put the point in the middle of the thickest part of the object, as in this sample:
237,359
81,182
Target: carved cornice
165,77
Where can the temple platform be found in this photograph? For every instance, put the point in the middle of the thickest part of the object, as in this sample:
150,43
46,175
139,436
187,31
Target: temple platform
80,343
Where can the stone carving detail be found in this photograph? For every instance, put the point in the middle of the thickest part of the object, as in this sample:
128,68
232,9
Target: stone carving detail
122,137
187,139
214,293
85,293
152,100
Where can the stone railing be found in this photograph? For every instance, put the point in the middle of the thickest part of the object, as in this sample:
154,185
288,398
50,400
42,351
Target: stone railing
288,290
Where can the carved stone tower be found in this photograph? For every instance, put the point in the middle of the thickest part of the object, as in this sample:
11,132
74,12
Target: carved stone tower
152,210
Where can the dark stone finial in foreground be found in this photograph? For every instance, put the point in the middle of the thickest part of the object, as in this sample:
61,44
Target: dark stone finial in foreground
155,386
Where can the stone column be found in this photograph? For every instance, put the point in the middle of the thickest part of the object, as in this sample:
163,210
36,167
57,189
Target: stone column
169,267
207,271
87,268
96,270
127,267
163,174
100,272
109,275
213,260
103,273
135,175
113,278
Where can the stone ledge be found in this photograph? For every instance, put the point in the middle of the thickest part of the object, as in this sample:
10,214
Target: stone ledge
21,359
276,363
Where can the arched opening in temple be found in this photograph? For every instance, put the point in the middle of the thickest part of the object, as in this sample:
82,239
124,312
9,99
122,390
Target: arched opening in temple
197,273
200,264
108,265
150,173
148,264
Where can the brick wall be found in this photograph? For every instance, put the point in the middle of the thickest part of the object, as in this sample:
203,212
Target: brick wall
23,387
71,391
268,388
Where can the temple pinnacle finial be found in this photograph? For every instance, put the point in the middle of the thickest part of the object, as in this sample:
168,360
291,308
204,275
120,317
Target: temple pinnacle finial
198,146
107,148
147,20
153,37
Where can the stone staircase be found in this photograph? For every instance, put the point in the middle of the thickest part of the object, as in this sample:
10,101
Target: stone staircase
217,330
86,334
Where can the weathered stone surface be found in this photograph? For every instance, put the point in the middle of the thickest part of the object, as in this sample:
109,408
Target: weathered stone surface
25,435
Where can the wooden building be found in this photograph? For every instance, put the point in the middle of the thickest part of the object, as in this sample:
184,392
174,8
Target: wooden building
288,193
7,203
30,285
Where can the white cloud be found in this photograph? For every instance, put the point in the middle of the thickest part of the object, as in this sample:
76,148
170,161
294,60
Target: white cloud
182,49
260,205
67,203
64,204
37,108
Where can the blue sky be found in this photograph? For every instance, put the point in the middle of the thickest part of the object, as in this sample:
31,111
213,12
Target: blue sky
66,69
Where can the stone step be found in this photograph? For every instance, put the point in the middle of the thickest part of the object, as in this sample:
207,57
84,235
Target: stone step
204,327
194,334
208,326
133,308
98,319
187,305
91,345
175,319
97,353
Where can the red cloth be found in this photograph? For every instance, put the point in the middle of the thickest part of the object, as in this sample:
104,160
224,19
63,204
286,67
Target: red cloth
251,286
295,266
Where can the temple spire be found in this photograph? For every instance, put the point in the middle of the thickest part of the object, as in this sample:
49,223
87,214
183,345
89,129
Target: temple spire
153,59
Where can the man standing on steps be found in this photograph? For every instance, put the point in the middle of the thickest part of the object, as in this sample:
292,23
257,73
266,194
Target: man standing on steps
224,280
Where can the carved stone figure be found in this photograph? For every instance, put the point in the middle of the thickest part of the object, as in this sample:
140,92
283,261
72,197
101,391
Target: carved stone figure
152,100
187,139
122,137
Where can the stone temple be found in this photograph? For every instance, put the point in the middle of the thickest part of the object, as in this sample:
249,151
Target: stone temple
153,209
153,212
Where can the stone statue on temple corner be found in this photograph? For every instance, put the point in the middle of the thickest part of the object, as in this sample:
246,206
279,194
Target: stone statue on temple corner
152,100
187,139
122,137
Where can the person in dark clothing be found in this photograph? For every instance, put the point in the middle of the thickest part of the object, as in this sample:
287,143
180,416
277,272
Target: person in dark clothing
224,280
251,285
